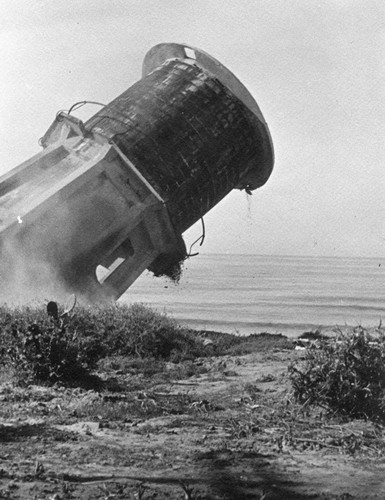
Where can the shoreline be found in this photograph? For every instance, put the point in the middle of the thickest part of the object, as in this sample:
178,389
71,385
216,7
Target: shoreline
291,333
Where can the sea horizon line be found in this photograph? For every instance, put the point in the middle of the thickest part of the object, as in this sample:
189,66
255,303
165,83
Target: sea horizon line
360,257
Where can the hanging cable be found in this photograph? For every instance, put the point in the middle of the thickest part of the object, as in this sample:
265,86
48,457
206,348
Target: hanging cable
201,238
79,104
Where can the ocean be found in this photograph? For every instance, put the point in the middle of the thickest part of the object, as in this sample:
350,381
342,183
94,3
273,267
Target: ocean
245,294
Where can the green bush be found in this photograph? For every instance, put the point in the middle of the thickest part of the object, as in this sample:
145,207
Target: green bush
345,375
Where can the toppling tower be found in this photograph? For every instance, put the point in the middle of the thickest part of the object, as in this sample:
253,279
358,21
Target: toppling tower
116,193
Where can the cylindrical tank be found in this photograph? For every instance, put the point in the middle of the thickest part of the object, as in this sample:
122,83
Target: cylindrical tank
192,130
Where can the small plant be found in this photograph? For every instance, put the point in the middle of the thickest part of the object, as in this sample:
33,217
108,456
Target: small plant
345,375
242,428
189,493
43,352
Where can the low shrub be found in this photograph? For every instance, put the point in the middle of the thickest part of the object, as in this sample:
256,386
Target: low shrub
138,331
345,375
44,349
40,349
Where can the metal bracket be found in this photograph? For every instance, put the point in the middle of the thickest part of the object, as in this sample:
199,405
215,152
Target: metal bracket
60,129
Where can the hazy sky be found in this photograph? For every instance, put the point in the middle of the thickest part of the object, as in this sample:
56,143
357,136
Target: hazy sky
316,69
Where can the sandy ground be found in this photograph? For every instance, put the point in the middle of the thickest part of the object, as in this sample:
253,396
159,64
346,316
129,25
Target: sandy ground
230,431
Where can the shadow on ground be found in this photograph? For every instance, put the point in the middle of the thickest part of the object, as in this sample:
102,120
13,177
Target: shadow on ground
213,478
19,432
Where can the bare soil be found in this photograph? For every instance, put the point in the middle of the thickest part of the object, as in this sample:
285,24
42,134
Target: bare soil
229,431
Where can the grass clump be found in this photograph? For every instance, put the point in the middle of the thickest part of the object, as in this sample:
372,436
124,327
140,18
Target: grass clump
345,374
40,348
137,331
65,348
238,345
122,407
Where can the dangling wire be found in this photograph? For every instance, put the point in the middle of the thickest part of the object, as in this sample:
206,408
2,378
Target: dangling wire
201,238
79,104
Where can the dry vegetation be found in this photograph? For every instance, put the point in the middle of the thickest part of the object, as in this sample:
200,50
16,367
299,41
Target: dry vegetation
123,403
345,374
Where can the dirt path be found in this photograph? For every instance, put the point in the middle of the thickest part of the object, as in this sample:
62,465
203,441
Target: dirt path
228,432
